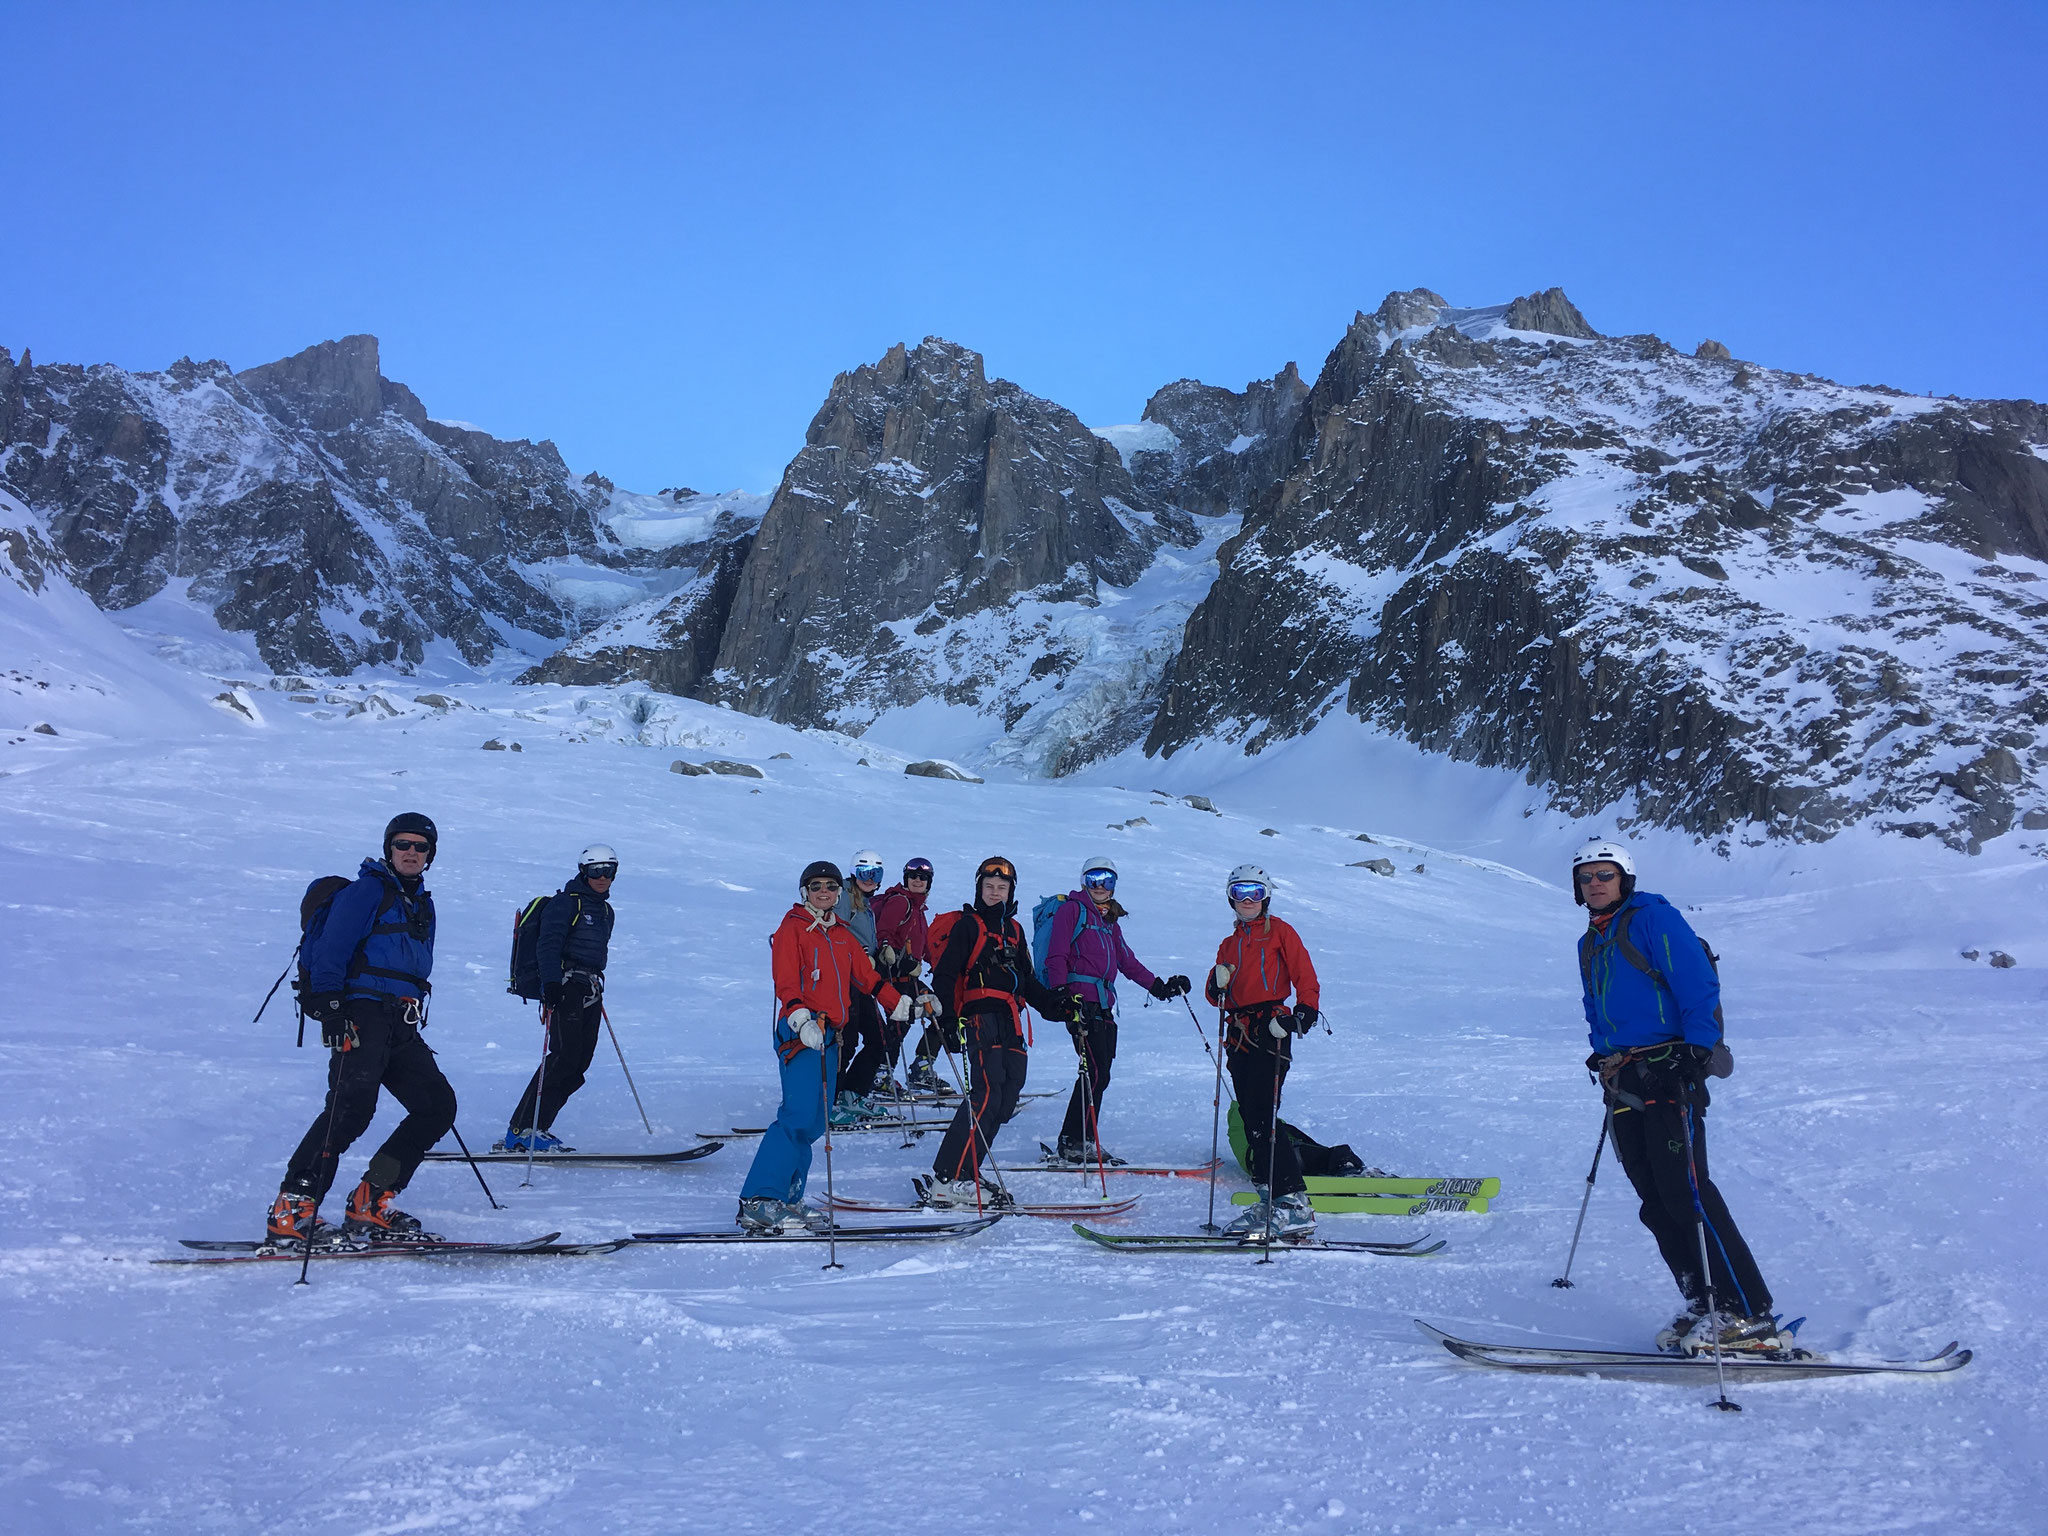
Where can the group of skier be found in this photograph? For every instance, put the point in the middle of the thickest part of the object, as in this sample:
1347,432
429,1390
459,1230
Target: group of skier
848,964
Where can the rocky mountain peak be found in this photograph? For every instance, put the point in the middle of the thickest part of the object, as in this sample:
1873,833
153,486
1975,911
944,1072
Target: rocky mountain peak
1550,312
1418,308
328,387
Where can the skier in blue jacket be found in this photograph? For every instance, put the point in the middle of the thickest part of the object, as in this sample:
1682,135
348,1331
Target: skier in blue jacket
368,967
1653,1017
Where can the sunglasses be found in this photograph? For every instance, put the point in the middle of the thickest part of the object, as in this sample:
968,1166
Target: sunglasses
822,885
1246,890
599,871
411,845
1589,878
918,877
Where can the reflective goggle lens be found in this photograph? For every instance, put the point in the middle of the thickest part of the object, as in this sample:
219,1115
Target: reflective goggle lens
998,868
868,872
1100,879
599,871
918,869
1247,890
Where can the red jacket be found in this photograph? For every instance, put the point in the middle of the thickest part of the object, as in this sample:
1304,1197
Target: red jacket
1269,961
818,963
900,922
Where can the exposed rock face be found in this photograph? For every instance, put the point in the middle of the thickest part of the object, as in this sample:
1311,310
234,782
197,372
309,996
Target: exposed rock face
1710,598
933,536
1713,351
1227,448
310,502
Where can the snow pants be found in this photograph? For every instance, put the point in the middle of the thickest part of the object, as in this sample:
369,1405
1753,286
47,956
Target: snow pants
863,1043
390,1054
782,1163
996,1063
1097,1050
571,1042
1257,1071
1651,1144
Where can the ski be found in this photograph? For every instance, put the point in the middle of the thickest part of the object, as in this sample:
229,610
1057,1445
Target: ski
1419,1248
1381,1205
1791,1364
1363,1184
237,1252
1052,1162
588,1159
890,1124
906,1232
1066,1211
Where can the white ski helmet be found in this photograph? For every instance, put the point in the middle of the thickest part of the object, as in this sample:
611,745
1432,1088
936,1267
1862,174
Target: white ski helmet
867,858
1247,874
1103,862
597,853
1600,851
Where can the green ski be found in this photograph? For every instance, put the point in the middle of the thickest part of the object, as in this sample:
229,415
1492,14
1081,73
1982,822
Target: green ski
1381,1205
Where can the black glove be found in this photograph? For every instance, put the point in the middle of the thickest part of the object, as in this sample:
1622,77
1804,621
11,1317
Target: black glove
1700,1062
1305,1019
551,995
1161,989
1178,986
325,1009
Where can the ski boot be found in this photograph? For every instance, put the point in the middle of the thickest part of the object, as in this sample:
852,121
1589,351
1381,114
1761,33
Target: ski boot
850,1109
371,1215
1253,1222
799,1215
922,1079
1294,1216
1732,1333
958,1194
531,1140
1670,1339
762,1214
295,1220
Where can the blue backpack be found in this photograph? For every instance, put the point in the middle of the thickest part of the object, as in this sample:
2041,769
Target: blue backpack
1041,940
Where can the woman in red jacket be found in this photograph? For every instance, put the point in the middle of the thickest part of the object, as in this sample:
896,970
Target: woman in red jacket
818,965
1261,962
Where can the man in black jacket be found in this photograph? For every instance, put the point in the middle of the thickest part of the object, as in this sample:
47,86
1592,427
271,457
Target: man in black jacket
575,940
983,977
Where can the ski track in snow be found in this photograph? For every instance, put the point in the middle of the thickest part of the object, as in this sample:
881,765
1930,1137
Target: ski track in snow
1879,1143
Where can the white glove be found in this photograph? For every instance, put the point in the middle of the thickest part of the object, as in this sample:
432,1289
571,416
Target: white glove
889,956
1220,978
900,1014
808,1029
1276,1029
929,1002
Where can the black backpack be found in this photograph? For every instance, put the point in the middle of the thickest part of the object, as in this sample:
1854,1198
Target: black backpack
524,981
313,909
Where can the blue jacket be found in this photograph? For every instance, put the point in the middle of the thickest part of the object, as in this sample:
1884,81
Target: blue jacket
377,942
575,932
1627,1007
860,924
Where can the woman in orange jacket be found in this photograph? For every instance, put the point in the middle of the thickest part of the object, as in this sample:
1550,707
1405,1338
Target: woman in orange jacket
818,966
1257,967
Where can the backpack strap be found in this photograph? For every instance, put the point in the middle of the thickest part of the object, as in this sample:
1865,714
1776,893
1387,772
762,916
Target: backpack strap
1080,926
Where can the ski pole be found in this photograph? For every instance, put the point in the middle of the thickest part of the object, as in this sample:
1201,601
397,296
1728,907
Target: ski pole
1094,1119
606,1012
540,1083
1692,1179
465,1148
831,1198
1564,1281
1215,1115
273,992
1272,1153
334,1068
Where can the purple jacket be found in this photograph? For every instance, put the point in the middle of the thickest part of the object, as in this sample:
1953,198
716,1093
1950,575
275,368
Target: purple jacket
1097,952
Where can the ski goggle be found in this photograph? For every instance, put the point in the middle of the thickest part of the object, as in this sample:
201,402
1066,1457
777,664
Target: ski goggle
1100,879
1247,890
1002,869
599,871
918,869
869,872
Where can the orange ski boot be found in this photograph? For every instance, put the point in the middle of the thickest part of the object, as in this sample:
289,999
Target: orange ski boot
372,1215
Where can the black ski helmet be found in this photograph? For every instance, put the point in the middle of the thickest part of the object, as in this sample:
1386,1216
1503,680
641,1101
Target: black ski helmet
413,821
995,864
819,869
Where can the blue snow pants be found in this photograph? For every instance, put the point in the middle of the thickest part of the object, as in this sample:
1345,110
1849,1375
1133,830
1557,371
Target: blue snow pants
783,1162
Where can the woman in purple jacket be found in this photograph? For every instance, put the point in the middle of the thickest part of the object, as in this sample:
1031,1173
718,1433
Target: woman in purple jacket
1085,956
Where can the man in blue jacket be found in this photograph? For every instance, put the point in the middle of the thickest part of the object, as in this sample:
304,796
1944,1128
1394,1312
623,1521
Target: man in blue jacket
574,946
1653,1015
367,968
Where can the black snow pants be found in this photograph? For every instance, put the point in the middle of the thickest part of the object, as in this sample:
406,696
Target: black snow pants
1096,1049
1651,1144
862,1044
996,1063
390,1054
572,1042
1258,1068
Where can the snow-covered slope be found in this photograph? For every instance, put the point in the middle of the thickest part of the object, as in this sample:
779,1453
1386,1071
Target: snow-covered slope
1023,1381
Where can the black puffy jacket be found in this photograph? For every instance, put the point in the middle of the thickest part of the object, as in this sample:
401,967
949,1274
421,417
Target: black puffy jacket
575,932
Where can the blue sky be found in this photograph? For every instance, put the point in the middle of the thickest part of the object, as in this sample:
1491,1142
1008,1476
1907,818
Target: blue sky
655,233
